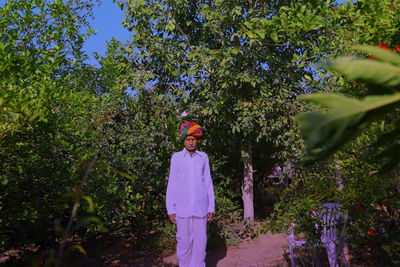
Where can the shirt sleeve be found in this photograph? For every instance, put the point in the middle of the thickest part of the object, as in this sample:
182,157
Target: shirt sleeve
210,188
171,188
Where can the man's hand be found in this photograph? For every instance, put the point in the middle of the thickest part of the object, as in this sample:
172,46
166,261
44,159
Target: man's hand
209,216
172,218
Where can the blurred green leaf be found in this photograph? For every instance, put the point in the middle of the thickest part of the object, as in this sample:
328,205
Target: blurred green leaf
131,177
372,71
90,220
326,132
90,202
380,54
79,248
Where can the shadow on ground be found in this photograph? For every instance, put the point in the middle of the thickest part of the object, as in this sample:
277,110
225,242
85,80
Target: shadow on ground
214,257
216,244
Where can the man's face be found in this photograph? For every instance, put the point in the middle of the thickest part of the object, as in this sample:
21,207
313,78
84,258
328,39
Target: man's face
190,143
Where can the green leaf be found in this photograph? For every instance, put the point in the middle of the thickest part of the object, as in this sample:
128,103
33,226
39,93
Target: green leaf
380,54
80,248
90,220
131,177
372,71
308,77
90,202
170,25
328,131
274,37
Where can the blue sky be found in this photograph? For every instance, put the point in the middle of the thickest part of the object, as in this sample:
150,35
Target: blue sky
108,24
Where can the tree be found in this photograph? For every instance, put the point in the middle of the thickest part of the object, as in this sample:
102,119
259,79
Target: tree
224,59
241,65
45,132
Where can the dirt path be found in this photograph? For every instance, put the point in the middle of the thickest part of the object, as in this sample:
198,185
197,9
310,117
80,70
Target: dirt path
267,250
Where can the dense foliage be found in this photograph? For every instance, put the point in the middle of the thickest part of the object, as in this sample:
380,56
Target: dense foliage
378,204
44,111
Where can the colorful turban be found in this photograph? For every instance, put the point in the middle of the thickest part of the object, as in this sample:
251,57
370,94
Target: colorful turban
190,128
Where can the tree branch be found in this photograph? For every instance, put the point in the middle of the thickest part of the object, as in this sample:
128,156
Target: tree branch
75,208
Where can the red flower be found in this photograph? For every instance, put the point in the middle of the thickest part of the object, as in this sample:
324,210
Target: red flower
329,91
371,231
359,206
334,9
383,45
357,84
314,210
398,48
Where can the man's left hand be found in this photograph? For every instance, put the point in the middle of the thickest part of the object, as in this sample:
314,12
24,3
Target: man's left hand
209,216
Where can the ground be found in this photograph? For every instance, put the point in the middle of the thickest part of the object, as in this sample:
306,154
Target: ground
266,250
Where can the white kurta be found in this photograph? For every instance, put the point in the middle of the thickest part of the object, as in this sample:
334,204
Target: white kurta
190,190
190,195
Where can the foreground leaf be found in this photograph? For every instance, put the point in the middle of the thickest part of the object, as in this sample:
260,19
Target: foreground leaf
328,131
380,54
370,71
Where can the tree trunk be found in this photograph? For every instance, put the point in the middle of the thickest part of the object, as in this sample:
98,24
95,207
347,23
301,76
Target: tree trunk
247,187
338,176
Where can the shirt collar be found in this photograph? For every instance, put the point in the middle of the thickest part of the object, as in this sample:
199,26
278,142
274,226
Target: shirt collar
185,152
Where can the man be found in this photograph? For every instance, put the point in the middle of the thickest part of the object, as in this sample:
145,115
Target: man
190,197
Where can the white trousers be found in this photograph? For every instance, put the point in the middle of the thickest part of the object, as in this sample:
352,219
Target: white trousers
192,240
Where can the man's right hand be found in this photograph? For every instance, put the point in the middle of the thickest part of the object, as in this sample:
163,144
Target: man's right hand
172,218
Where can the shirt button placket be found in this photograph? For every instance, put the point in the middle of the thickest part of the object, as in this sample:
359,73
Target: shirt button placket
192,184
